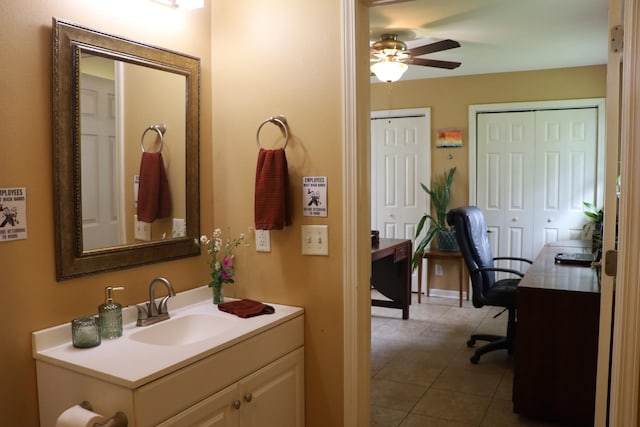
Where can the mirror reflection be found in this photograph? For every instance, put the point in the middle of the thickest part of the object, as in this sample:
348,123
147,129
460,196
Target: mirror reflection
112,99
118,103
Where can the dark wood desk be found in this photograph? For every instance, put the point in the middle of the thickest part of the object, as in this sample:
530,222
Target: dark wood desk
391,273
557,340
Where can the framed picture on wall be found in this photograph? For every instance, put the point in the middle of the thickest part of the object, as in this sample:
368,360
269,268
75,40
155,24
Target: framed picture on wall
449,138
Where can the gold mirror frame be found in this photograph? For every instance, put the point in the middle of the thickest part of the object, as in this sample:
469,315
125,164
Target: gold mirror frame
71,259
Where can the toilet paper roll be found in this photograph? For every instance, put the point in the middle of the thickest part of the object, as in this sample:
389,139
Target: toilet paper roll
77,416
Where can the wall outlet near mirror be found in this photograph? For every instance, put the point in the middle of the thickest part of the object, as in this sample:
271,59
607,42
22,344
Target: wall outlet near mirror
142,229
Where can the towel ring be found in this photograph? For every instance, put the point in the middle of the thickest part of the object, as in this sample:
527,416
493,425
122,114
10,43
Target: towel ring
161,129
281,122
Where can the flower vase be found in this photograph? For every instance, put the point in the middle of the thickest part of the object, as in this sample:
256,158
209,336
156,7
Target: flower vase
218,294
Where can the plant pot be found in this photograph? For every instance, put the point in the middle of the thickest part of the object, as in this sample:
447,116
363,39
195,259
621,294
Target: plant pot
447,241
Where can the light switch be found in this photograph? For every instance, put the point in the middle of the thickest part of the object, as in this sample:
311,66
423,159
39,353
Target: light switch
315,240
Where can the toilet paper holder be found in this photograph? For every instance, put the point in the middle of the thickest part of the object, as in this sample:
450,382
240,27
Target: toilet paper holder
119,419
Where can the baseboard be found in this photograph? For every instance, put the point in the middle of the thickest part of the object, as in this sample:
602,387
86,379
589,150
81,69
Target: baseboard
445,293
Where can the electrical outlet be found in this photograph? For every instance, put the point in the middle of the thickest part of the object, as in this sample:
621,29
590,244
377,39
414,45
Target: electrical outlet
315,240
179,227
439,270
263,241
142,229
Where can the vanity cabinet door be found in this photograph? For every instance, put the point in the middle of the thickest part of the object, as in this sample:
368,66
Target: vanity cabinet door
218,410
275,394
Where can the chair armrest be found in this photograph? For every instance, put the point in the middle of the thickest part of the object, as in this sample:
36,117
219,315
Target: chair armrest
498,269
513,259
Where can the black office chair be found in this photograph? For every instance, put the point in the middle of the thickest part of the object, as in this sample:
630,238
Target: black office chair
471,234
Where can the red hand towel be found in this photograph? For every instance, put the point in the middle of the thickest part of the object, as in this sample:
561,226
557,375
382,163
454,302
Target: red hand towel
246,308
272,210
154,198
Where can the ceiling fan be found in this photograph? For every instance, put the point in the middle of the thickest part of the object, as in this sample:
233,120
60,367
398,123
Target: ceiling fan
391,56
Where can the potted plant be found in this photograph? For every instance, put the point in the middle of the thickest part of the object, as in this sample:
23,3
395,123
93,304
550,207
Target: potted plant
593,228
440,195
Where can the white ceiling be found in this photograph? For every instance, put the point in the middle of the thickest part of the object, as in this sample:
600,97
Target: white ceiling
499,35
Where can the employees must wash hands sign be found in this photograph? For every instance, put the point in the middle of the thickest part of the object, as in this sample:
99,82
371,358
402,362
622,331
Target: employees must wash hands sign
13,214
314,196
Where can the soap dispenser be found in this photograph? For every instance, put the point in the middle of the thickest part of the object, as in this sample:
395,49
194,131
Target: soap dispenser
110,314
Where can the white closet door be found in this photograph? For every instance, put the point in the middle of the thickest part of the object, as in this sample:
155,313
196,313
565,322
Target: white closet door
400,161
565,173
505,181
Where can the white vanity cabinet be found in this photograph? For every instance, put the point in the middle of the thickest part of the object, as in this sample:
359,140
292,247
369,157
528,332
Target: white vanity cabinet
274,393
250,375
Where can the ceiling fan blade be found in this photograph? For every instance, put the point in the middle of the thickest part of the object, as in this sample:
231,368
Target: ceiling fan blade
434,47
449,65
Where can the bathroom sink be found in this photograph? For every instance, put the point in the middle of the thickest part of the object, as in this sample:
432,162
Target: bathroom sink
184,330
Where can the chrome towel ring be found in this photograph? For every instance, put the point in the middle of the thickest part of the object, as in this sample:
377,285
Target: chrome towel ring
281,122
161,129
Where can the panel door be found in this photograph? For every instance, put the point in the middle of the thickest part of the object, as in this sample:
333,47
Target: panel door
565,173
399,163
505,181
274,395
98,150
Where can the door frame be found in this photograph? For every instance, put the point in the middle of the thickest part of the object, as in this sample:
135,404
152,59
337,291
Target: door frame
597,103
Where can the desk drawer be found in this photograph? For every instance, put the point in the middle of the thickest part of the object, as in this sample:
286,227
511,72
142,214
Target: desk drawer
401,253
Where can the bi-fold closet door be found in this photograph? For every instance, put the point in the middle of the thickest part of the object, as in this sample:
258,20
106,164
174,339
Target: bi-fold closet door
534,171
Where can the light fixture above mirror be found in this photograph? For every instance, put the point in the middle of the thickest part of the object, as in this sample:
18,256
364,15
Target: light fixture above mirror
186,4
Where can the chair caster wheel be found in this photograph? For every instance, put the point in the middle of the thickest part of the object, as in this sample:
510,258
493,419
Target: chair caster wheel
471,343
474,359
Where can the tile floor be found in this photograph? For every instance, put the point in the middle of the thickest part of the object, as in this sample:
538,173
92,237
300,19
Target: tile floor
421,374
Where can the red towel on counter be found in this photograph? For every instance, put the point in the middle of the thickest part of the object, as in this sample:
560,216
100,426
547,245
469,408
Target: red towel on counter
246,308
154,198
272,210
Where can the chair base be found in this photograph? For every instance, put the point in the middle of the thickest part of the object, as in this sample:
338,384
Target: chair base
496,342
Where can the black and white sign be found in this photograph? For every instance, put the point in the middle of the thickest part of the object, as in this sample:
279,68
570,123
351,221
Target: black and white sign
314,196
13,214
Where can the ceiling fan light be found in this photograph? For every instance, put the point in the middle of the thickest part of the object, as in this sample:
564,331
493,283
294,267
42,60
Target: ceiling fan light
389,71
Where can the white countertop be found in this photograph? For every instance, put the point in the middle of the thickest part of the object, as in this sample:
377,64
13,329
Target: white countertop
132,364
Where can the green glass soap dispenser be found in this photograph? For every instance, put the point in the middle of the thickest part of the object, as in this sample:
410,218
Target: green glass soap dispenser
110,314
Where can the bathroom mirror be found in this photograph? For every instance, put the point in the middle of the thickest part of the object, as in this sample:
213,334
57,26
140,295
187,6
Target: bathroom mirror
114,98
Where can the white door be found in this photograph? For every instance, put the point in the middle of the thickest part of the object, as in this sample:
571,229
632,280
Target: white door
98,151
534,171
565,173
505,179
400,161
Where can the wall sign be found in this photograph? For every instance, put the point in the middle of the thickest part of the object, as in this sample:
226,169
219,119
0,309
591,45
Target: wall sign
13,214
314,196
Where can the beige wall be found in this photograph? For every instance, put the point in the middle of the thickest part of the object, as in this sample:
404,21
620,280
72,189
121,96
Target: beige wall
265,63
450,98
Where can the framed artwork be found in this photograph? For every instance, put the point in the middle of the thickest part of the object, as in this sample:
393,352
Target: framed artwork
448,138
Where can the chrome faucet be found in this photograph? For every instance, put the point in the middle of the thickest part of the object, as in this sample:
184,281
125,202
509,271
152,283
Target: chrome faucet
151,313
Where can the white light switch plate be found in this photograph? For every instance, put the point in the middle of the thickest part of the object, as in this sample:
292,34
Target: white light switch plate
315,240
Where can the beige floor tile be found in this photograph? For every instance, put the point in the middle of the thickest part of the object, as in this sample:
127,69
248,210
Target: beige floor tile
421,374
410,372
468,381
395,395
414,420
453,406
385,417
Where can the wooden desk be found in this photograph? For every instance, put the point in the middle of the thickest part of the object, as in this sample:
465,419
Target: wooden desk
432,254
391,273
557,340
